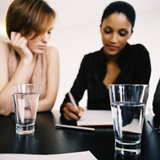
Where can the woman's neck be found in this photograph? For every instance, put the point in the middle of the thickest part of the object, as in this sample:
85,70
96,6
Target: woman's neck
111,58
34,57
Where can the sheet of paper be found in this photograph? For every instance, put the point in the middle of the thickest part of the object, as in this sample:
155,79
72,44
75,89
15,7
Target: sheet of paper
134,127
96,118
67,156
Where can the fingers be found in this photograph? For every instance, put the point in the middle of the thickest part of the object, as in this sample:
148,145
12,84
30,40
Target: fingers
81,110
71,113
20,43
13,34
70,116
17,40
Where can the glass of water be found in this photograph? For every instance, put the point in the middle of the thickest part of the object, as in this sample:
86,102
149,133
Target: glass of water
25,100
128,105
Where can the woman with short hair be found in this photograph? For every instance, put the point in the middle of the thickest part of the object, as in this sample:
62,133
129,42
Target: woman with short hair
27,58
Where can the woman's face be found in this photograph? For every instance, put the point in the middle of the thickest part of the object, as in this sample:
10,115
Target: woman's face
115,31
38,44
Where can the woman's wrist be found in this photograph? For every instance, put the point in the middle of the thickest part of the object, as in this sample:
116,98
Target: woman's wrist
26,61
27,58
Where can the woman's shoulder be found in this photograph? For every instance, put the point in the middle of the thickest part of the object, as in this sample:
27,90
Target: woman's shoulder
5,49
137,52
91,59
51,52
4,45
137,47
93,55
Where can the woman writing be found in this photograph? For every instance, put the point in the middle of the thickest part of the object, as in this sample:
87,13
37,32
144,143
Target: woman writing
27,59
117,62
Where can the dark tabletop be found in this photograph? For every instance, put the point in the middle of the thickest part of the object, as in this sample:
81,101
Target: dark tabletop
49,140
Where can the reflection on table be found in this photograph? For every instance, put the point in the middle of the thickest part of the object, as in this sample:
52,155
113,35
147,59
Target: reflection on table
49,140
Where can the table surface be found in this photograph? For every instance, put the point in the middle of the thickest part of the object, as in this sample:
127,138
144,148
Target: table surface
49,140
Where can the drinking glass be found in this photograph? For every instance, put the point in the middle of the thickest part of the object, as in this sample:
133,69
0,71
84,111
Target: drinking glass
128,105
25,100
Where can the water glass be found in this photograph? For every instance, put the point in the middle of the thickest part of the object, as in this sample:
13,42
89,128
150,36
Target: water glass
128,105
25,100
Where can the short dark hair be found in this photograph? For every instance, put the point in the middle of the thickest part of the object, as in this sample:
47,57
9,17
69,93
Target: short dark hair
29,15
120,7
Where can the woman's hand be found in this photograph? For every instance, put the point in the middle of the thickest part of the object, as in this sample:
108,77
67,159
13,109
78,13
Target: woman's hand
71,113
20,43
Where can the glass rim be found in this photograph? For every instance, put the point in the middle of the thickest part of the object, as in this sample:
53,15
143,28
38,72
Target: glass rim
26,84
128,85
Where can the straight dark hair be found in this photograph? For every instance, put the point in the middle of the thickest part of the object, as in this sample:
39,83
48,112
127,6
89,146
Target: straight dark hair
120,7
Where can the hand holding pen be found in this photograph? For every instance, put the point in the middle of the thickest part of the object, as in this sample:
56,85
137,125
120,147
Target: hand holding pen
71,111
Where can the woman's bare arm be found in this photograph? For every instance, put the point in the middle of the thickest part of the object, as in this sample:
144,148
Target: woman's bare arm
20,75
48,101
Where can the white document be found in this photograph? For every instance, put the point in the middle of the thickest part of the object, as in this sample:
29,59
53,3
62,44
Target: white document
134,127
65,156
96,118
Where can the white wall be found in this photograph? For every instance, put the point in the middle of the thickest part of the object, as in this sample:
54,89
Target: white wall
73,42
147,32
76,41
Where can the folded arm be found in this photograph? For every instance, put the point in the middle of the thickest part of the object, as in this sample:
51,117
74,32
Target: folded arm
20,76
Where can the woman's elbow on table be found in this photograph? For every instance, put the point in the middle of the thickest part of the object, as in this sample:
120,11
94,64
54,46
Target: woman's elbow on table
5,111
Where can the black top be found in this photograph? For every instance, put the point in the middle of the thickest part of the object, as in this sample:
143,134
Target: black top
135,66
156,100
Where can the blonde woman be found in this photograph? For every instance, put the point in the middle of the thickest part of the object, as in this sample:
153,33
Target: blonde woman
27,58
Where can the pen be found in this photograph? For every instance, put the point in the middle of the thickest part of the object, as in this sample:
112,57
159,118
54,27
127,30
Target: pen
72,100
74,127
